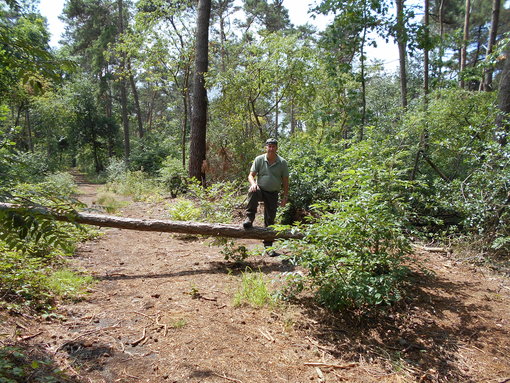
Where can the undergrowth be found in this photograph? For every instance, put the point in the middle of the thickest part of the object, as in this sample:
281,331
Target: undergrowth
254,291
18,365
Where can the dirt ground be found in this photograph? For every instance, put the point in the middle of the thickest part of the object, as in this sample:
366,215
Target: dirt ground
162,311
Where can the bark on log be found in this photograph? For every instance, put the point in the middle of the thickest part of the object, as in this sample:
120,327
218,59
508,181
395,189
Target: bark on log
183,227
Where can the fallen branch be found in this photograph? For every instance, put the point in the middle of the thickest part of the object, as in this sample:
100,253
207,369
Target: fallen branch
326,365
27,337
165,226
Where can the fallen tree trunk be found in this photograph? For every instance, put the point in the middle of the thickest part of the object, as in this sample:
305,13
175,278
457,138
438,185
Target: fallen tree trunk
165,226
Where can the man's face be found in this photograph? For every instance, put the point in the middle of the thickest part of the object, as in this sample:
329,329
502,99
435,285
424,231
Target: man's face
271,148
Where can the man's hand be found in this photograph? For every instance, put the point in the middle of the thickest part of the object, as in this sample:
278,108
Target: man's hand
253,188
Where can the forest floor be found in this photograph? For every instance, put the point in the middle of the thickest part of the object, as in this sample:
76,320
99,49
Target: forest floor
162,311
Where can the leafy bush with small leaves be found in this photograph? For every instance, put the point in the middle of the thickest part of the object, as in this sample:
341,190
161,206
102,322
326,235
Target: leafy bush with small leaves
355,247
138,185
61,183
312,170
109,202
116,170
16,365
173,176
184,210
217,202
231,250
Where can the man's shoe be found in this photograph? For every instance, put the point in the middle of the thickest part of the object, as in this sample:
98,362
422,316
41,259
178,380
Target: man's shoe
247,223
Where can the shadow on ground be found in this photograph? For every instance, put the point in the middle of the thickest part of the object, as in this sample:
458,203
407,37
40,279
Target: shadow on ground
421,335
21,363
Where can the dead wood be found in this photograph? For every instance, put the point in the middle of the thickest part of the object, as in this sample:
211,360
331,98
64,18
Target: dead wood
165,226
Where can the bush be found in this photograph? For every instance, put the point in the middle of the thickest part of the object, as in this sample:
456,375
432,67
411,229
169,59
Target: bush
184,210
217,203
61,183
312,173
116,170
173,176
137,185
355,247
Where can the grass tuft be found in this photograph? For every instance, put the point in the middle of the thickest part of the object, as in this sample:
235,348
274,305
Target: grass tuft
254,291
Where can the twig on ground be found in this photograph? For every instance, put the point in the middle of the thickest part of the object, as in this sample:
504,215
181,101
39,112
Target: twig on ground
31,336
266,335
327,365
145,315
320,374
136,342
21,325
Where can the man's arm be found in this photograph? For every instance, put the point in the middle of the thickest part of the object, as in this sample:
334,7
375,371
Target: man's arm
253,183
285,184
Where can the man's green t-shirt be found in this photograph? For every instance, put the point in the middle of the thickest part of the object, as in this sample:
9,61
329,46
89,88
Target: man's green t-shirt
269,177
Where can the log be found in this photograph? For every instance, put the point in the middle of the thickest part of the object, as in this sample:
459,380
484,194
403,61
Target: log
165,226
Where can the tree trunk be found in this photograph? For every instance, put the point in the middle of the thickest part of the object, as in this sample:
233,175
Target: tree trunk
363,83
487,78
426,8
123,90
402,42
138,110
504,100
197,150
30,141
196,228
463,49
441,36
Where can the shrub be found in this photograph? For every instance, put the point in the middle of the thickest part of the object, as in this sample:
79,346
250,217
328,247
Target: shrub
173,176
109,202
137,185
184,210
312,173
116,170
355,247
61,183
217,203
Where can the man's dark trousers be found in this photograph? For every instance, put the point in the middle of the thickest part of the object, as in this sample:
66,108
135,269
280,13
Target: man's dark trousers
270,200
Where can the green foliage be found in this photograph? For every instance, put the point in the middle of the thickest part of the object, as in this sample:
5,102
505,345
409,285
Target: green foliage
136,184
32,277
217,202
312,172
173,176
68,284
116,170
61,183
184,210
28,167
149,153
254,291
232,251
109,202
23,281
355,247
16,365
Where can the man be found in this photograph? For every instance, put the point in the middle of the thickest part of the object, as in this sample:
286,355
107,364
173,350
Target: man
268,174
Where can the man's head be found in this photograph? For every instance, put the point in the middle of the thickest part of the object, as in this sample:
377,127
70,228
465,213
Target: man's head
271,146
272,141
